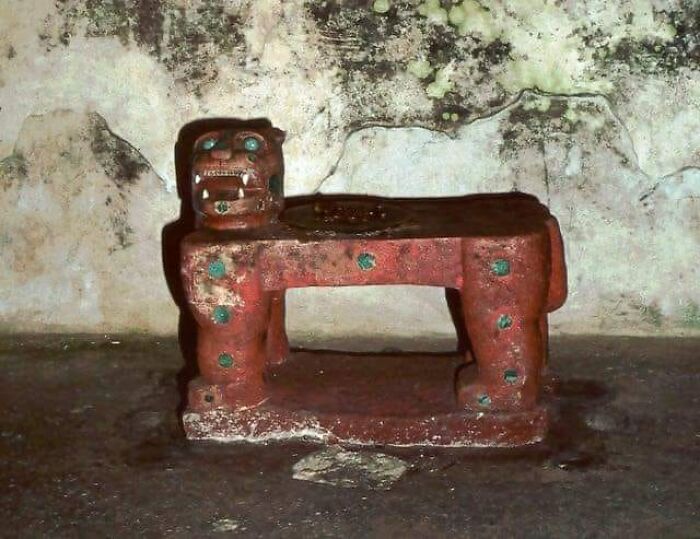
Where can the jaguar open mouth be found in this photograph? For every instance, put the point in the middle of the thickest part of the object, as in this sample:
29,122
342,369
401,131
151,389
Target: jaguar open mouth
242,175
228,190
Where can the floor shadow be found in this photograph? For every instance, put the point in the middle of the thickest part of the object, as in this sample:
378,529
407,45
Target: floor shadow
173,233
454,304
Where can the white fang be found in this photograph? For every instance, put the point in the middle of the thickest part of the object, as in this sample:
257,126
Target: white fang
205,194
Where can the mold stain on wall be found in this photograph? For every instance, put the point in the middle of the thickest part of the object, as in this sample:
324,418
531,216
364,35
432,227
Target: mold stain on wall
186,37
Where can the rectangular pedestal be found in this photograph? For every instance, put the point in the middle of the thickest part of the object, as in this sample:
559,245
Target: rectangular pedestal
360,399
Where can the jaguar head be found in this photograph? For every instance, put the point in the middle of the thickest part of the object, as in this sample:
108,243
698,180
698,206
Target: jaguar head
237,177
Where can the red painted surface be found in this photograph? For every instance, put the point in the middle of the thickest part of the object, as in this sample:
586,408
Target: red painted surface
502,252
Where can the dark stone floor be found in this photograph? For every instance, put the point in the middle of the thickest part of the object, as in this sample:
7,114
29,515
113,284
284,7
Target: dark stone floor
90,446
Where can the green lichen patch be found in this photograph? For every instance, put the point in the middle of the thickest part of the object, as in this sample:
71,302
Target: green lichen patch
371,50
98,18
441,84
356,37
531,120
381,6
469,17
651,314
420,68
691,315
665,52
13,166
537,118
492,54
197,37
186,39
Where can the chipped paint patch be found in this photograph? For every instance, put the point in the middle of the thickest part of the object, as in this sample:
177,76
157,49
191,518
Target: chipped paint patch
215,425
350,469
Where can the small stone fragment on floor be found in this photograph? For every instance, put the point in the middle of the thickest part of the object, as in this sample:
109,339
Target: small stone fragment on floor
227,525
350,469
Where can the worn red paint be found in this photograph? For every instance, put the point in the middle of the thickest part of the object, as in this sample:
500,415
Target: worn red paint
503,252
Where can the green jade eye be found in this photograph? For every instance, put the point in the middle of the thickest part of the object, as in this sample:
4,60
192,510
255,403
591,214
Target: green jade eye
208,144
251,144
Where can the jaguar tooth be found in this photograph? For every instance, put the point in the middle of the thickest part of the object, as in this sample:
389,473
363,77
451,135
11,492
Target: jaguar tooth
205,194
197,178
241,194
246,177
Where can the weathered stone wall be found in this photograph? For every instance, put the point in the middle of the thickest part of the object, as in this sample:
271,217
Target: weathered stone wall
594,106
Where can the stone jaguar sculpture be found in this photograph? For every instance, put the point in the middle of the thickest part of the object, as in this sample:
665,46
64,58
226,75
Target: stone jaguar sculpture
499,254
237,177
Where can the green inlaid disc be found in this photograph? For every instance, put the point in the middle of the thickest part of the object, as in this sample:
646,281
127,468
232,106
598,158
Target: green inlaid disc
217,269
366,261
221,314
225,360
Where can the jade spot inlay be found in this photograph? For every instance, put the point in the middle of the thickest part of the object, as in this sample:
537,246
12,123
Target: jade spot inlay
221,206
500,267
275,184
484,400
221,314
366,261
251,144
209,143
504,321
510,376
225,360
217,269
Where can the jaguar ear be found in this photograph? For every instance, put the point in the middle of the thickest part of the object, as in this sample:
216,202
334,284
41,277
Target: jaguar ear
278,135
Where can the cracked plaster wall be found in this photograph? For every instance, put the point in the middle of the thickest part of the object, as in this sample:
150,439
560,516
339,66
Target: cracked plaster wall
593,106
